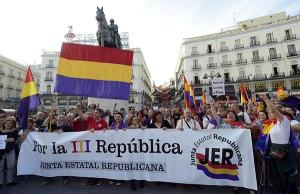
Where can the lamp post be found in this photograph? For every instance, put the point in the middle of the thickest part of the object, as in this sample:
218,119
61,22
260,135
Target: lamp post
212,76
217,75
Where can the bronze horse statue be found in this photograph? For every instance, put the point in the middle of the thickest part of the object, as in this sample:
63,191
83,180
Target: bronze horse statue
107,35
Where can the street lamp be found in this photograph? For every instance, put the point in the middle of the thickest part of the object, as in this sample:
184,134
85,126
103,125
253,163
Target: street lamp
212,76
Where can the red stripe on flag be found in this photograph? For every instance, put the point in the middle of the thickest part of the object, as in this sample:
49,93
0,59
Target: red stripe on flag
29,77
80,52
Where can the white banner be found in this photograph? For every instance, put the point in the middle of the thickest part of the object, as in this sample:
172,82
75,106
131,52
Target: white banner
209,157
218,87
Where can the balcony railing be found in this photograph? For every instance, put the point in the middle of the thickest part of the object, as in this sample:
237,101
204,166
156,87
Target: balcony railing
49,66
9,87
241,61
241,78
238,46
224,48
212,65
11,75
210,51
1,85
226,64
260,77
295,73
293,54
196,83
257,59
196,67
19,78
274,56
272,40
256,43
229,80
278,74
48,79
62,102
18,89
289,37
2,72
193,53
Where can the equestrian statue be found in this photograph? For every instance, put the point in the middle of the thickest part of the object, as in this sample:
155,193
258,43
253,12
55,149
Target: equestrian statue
107,35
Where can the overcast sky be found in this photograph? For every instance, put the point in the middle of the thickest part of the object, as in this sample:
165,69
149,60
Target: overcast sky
156,26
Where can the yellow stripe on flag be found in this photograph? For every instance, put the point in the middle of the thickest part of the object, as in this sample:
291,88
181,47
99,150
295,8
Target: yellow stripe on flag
94,70
29,89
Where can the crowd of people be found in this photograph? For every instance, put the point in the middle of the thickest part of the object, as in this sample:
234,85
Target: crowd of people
276,170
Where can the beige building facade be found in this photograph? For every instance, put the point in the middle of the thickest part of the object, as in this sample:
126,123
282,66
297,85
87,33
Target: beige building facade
12,77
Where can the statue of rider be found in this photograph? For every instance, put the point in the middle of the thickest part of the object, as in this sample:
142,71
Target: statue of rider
113,28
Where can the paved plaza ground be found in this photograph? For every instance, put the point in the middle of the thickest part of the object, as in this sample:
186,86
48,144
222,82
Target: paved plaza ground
74,187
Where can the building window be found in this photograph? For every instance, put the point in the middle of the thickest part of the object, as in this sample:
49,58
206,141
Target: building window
239,56
253,41
50,63
288,34
48,89
258,70
275,70
255,55
49,75
226,76
273,53
270,38
195,63
194,51
11,72
210,60
291,49
241,72
223,46
295,70
196,80
209,49
225,58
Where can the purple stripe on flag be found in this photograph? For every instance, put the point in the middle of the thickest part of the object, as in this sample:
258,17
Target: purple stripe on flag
217,176
27,103
92,88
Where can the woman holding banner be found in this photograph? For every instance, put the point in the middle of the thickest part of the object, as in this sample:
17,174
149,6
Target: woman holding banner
9,153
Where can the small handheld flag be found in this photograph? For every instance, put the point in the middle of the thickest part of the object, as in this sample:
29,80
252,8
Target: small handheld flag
192,99
281,94
29,99
204,96
244,96
186,92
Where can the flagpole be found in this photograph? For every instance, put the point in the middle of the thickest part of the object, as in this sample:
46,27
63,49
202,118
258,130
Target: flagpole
51,111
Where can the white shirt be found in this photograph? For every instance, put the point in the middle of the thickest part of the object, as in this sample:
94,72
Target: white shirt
192,123
296,133
205,122
246,117
280,133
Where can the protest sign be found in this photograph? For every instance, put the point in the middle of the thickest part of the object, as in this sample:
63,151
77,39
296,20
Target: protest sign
218,87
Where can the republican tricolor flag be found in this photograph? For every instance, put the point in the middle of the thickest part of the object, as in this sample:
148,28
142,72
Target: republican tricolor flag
94,71
29,99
